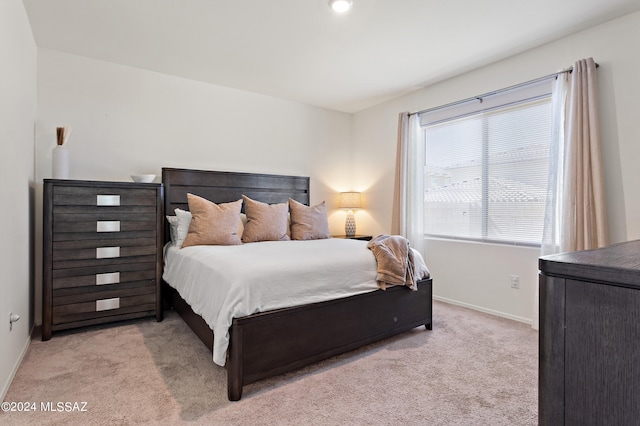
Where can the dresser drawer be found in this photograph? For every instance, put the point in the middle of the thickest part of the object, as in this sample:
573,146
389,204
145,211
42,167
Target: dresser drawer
90,310
95,276
105,223
103,196
100,253
78,304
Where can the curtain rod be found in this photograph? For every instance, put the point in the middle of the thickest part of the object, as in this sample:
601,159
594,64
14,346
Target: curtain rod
495,92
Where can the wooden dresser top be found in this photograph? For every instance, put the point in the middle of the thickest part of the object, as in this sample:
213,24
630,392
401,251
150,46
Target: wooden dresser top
617,264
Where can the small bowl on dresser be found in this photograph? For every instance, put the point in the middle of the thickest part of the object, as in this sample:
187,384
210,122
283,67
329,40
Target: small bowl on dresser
143,178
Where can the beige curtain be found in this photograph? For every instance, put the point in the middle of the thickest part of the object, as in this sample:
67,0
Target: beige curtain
408,195
584,213
576,213
401,174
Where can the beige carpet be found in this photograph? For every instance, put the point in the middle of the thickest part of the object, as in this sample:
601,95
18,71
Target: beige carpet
471,369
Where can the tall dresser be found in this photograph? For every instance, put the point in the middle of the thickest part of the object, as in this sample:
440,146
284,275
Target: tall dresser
590,337
102,253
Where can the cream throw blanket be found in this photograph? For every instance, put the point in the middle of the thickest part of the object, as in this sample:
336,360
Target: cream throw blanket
398,264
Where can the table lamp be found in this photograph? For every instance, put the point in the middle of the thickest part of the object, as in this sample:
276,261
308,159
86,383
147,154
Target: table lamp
350,201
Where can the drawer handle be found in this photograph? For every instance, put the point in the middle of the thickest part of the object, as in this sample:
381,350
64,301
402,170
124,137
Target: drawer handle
107,304
108,226
108,200
107,252
108,278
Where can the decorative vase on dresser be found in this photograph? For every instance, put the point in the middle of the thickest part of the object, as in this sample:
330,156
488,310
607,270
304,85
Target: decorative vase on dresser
60,162
102,253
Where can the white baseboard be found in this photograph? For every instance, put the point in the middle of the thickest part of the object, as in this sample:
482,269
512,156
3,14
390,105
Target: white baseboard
5,386
485,310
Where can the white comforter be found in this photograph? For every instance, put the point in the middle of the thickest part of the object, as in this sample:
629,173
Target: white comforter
225,282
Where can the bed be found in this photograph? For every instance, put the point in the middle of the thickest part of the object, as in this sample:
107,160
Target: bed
269,343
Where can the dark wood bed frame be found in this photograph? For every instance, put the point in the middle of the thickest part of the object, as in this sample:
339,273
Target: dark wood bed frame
270,343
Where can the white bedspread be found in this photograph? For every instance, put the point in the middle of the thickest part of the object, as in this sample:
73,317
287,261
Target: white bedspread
225,282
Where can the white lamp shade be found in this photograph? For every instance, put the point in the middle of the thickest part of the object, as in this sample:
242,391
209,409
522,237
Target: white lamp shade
350,200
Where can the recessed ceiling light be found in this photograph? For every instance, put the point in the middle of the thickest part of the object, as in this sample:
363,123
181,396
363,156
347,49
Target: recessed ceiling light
340,6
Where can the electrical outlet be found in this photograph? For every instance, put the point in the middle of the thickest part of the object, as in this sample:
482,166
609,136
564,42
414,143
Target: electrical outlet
515,281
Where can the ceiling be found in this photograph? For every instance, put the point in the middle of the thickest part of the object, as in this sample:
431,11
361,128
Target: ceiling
302,51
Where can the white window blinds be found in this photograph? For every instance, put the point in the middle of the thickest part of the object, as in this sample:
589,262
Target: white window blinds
486,166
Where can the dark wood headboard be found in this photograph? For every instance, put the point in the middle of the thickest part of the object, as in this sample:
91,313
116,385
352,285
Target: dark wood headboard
224,187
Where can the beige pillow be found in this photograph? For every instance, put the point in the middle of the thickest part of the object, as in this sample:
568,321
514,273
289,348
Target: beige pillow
308,223
212,224
265,222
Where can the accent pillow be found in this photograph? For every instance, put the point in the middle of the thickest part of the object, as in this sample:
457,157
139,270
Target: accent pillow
265,222
179,226
211,223
308,223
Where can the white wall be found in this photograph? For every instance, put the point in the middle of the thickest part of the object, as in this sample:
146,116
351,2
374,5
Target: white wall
130,121
478,275
17,117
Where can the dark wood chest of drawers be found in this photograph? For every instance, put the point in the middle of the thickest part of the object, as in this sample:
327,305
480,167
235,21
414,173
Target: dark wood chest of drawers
590,337
102,253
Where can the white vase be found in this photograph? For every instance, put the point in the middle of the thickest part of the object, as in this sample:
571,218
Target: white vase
60,162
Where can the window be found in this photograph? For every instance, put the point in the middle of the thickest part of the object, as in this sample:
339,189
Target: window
486,167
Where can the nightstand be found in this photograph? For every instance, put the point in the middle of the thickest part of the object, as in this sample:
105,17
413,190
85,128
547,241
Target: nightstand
355,237
102,252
